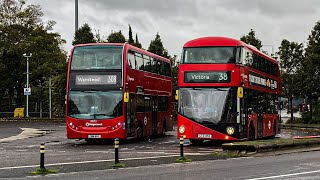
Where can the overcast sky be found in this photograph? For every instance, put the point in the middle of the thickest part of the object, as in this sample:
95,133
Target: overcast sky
179,21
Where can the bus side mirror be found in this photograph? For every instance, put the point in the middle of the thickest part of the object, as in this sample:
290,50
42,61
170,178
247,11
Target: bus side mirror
240,92
126,97
177,95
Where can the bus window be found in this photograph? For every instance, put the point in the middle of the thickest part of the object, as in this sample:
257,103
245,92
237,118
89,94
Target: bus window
155,66
131,60
140,103
147,63
97,57
163,103
147,106
204,55
139,61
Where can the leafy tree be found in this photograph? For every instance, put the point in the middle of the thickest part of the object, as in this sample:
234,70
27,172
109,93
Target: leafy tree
291,57
156,47
137,43
83,35
22,31
311,68
116,37
251,39
130,41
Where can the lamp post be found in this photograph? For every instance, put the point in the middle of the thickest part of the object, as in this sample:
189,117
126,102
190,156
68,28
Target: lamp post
27,56
272,49
76,15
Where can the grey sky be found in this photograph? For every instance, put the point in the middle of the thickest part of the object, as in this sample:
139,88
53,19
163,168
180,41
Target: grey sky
178,21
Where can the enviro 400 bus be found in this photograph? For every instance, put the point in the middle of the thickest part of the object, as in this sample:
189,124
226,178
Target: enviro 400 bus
117,91
228,90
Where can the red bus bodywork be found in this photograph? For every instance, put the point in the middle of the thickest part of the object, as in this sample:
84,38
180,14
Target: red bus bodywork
134,82
259,124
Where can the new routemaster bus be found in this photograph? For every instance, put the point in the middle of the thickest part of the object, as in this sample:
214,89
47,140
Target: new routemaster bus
117,91
228,90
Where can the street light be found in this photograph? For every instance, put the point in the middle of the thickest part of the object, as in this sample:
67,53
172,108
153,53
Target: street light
27,56
267,45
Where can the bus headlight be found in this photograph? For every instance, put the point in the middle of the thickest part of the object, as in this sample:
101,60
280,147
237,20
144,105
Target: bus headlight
182,129
230,130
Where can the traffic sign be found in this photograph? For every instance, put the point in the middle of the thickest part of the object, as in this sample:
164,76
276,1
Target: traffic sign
27,91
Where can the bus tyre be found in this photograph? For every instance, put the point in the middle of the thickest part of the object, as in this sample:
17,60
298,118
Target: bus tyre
140,131
164,129
196,141
252,134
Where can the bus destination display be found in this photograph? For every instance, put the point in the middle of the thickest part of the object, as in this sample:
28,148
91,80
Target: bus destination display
207,77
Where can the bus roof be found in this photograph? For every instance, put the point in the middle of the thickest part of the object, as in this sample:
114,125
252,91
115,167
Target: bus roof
224,41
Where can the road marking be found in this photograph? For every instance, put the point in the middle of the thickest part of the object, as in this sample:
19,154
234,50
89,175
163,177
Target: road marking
83,162
26,133
285,175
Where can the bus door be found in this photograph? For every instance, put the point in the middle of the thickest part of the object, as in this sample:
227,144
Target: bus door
154,103
131,108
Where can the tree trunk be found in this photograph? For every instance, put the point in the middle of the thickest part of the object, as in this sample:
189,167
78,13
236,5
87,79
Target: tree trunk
291,107
310,111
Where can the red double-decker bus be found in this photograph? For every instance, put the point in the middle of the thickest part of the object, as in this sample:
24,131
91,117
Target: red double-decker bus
117,91
228,90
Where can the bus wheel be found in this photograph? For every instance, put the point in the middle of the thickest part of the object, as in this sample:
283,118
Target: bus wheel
252,133
140,131
196,141
164,129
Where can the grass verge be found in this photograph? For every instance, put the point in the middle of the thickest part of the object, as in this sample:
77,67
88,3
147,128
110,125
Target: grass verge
43,171
119,165
227,154
183,159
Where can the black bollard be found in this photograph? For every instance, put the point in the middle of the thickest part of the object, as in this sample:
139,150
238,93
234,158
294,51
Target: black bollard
42,156
116,151
181,145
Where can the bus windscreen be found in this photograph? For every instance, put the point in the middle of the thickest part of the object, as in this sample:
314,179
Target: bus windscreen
203,104
95,104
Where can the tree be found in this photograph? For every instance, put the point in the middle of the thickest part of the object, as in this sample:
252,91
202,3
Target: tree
130,41
291,57
156,47
251,39
22,31
116,37
311,70
137,43
83,35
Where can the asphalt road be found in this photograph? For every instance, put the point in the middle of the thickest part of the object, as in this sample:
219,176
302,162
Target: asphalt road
20,155
305,165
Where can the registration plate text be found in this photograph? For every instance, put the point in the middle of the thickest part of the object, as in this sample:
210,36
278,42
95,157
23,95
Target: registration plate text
94,136
204,135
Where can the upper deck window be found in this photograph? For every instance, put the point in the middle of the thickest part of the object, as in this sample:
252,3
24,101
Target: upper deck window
96,57
209,55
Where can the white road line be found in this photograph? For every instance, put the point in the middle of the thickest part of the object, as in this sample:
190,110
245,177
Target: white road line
83,162
285,175
26,133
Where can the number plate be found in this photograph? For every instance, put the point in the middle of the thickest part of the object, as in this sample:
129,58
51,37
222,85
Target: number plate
94,136
204,135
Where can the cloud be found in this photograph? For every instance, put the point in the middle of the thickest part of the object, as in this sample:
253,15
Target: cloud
179,21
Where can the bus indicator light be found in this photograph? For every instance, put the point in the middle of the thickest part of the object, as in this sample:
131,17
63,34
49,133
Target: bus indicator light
177,95
126,97
240,92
